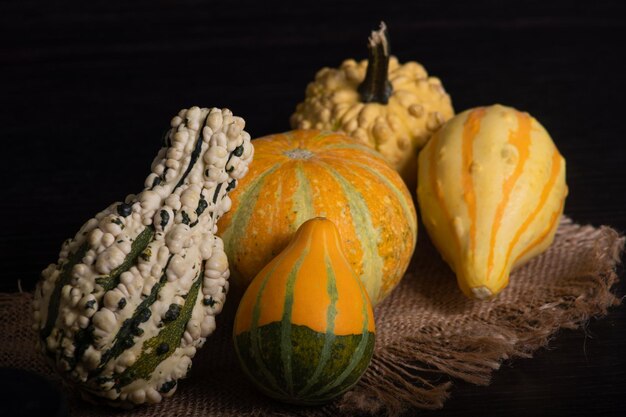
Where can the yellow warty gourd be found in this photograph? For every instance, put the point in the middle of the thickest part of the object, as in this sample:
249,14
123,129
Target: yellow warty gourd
491,189
391,107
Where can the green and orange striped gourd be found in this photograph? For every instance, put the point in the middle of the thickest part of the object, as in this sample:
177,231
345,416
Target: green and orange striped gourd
491,189
304,330
302,174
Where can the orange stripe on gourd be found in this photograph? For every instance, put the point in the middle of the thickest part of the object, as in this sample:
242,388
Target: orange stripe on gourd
520,139
554,217
541,238
470,130
545,194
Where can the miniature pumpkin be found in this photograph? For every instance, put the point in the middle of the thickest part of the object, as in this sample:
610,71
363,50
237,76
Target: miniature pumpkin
306,173
136,291
390,107
304,330
491,190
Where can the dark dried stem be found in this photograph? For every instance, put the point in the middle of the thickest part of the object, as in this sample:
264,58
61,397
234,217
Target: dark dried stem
376,87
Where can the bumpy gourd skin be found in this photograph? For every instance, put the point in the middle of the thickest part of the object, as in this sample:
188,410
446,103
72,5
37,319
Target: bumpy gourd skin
136,291
417,107
491,189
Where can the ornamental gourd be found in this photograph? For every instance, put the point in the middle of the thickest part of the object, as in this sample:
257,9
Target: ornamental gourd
390,107
136,291
307,173
304,330
491,190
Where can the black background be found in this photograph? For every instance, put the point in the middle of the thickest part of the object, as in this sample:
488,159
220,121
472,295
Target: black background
87,89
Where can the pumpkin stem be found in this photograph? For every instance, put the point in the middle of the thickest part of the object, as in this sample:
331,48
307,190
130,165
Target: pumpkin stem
376,86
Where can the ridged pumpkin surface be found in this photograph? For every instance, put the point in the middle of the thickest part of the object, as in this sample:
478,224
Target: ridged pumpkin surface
302,174
304,330
491,188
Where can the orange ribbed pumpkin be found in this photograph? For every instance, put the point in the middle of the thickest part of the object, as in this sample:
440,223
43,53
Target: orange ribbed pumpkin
302,174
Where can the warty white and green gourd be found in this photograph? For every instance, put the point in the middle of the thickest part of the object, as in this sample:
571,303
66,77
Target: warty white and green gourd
135,293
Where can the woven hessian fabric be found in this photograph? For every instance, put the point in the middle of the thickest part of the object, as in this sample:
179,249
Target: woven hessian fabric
426,331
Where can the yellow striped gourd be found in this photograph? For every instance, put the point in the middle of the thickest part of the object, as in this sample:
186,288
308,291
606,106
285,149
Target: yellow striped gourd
304,330
491,189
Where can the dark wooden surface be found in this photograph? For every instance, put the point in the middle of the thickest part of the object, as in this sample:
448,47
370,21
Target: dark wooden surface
87,89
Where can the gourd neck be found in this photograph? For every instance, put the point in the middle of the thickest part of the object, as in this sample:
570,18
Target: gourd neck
318,229
376,87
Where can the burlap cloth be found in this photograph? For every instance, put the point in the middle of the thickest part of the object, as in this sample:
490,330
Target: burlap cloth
428,334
